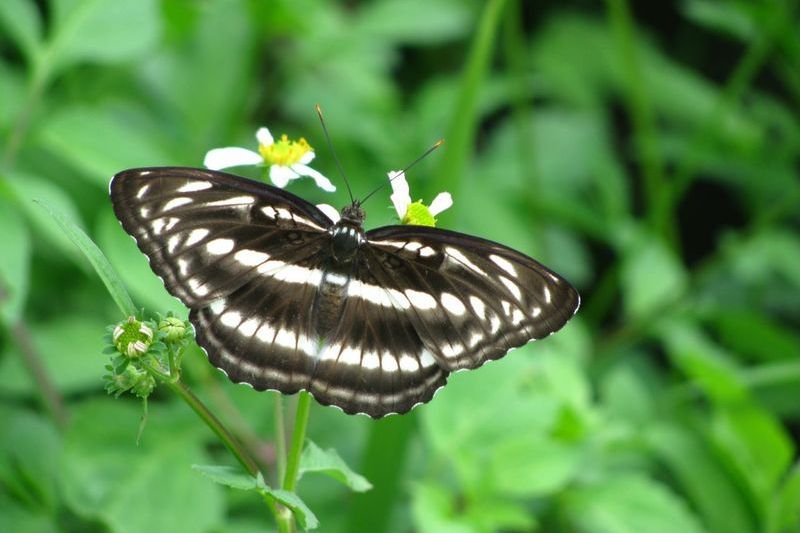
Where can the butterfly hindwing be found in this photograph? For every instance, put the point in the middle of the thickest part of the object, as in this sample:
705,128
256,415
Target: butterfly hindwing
470,300
373,361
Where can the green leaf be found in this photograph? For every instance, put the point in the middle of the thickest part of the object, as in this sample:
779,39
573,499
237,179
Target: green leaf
753,334
530,468
733,18
20,519
708,365
702,476
29,188
630,504
651,277
235,478
789,502
301,512
125,142
756,442
328,462
133,268
432,507
70,349
14,263
388,20
30,451
230,476
21,21
132,488
101,265
102,31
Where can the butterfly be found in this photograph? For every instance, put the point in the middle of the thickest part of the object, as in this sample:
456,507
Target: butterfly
283,298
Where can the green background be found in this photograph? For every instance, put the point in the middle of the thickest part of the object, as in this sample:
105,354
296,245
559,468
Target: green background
649,153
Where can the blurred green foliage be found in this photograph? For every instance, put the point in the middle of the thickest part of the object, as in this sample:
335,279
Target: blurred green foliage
647,152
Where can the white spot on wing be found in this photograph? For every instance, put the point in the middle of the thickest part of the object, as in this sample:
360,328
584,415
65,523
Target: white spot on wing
217,306
388,362
512,287
198,287
269,211
420,300
547,295
173,242
426,358
452,351
142,191
196,235
176,202
504,263
219,246
350,356
250,257
371,361
265,333
236,200
194,186
231,319
452,304
408,363
286,338
248,327
456,254
427,251
478,306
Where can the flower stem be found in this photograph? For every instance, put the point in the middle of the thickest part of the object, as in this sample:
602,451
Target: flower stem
280,437
298,438
216,426
284,516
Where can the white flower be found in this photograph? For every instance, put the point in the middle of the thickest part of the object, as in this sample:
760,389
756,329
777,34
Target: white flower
415,213
288,160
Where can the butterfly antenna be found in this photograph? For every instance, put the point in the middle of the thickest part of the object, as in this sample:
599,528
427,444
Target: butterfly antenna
436,145
335,157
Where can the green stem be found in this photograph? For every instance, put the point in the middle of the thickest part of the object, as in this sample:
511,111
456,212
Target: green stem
284,516
280,437
215,425
298,439
461,131
642,115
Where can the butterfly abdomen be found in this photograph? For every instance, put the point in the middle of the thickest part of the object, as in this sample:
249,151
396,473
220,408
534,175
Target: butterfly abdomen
329,301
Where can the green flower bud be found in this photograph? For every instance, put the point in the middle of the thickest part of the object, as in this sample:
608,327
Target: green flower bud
173,329
132,337
143,385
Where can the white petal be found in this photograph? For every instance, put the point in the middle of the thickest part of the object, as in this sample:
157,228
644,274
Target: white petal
232,156
330,212
322,182
442,201
401,198
281,175
264,137
307,157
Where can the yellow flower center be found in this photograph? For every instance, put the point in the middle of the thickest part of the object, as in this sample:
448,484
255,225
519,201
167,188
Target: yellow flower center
418,214
284,152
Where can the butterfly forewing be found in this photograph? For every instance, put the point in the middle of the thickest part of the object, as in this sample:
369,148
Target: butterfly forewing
275,307
471,300
207,233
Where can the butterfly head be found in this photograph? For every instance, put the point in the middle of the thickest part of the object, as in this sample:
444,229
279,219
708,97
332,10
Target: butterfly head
354,213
